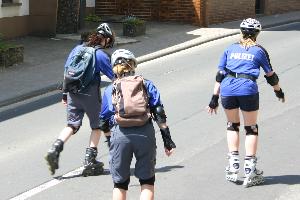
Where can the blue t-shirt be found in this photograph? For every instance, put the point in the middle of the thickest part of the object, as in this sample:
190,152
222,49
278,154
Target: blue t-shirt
102,63
108,110
240,60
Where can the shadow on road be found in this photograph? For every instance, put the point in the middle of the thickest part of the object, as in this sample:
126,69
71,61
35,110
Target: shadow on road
284,179
168,168
31,106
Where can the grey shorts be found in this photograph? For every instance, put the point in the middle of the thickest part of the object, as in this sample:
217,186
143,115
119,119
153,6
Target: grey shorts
88,102
126,142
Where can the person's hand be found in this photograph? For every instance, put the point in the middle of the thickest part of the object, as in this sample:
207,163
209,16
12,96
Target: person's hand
64,99
280,95
169,144
169,152
213,104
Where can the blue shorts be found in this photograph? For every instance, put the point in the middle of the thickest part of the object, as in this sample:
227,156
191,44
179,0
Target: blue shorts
245,103
135,141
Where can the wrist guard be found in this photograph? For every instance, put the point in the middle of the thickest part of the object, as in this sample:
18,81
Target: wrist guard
272,80
166,136
279,94
108,141
214,101
64,96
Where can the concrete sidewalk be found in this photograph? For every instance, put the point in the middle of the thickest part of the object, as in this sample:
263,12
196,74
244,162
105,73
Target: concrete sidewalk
44,58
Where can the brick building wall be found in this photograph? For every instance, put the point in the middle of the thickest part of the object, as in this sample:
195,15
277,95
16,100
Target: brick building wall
228,10
280,6
199,12
162,10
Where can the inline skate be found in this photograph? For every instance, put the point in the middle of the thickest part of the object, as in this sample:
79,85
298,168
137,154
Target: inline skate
91,166
233,167
253,176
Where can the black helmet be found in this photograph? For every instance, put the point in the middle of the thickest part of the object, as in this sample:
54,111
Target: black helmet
106,31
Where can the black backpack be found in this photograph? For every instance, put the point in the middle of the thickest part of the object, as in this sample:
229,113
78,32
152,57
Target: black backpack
80,71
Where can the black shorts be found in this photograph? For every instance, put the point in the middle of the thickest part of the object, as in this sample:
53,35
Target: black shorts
245,103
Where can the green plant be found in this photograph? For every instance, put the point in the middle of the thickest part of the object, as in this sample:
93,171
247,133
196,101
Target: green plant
3,45
132,20
92,18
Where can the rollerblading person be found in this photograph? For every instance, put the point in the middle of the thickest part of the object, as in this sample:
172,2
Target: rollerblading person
236,86
82,95
91,166
253,176
129,107
233,167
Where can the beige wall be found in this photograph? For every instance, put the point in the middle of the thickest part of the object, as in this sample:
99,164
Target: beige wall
11,27
43,17
39,19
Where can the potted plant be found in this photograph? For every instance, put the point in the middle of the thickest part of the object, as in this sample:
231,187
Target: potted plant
92,21
10,54
133,26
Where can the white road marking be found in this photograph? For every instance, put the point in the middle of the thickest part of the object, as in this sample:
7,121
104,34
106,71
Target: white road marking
47,185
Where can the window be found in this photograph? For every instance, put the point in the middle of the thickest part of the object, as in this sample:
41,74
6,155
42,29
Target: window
7,1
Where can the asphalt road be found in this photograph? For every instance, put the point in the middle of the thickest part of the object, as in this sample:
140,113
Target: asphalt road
196,170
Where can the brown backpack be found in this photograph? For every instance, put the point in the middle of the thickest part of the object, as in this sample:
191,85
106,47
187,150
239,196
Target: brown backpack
130,100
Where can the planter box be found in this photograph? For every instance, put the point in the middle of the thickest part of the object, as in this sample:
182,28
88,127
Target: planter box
11,56
133,30
88,25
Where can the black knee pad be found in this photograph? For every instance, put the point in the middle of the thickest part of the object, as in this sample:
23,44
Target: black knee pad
123,185
75,128
149,181
233,126
251,130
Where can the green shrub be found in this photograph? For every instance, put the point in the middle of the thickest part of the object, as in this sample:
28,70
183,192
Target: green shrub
92,18
132,20
3,45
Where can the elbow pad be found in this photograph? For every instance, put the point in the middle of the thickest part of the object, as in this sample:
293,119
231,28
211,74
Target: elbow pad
272,80
104,125
159,114
220,76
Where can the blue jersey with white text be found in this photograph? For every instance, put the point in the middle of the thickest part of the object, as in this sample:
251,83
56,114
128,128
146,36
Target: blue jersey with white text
238,59
108,110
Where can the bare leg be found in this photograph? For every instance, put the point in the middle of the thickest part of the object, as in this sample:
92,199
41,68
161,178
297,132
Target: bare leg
95,137
65,134
233,138
250,118
119,194
147,192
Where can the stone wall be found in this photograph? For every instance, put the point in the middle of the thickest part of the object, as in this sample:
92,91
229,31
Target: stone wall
67,16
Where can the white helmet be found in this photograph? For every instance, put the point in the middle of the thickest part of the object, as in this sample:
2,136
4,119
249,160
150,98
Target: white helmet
106,31
121,56
250,26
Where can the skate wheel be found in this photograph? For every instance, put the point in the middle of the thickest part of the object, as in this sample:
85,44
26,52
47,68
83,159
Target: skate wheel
92,172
